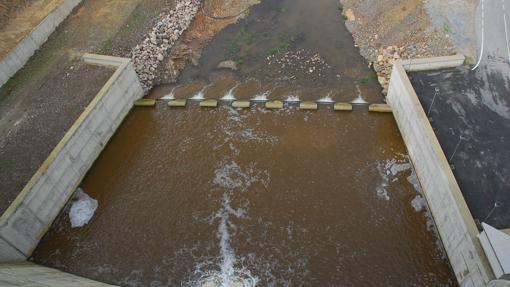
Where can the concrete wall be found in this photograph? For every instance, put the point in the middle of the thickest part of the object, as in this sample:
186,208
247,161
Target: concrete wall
30,215
452,217
20,54
425,64
24,274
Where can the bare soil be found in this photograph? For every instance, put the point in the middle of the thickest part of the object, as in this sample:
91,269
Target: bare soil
392,29
21,19
8,9
45,97
214,16
37,122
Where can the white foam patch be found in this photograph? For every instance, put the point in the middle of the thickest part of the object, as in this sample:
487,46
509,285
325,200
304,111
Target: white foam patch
359,99
261,97
231,176
292,99
382,192
389,170
82,209
413,179
228,275
395,168
235,130
326,100
418,203
229,96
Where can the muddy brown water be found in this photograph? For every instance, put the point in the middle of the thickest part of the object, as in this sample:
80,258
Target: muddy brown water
226,197
288,197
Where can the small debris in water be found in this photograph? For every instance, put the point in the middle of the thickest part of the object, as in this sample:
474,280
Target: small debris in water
418,203
82,209
300,61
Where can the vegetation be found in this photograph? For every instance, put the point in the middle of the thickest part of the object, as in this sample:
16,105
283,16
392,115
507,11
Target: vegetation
238,49
446,28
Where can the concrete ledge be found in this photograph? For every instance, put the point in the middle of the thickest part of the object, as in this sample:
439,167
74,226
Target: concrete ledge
274,105
24,274
308,106
103,60
379,108
177,103
241,104
453,219
210,103
342,107
30,215
145,103
19,55
426,64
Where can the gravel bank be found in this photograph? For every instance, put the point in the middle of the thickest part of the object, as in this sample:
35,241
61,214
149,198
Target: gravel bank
393,29
148,55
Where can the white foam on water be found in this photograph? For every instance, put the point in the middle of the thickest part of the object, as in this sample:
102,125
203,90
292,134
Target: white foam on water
396,168
292,99
170,96
198,96
381,189
235,130
82,209
231,176
359,100
229,96
413,179
261,97
201,94
418,203
326,100
228,257
228,275
382,192
389,170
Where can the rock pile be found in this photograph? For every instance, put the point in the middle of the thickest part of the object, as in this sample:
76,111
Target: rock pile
148,55
303,62
403,29
384,63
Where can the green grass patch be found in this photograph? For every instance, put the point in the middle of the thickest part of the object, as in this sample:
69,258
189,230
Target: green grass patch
446,28
367,79
285,44
241,41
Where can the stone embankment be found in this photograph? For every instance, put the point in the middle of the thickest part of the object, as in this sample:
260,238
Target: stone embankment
386,31
148,55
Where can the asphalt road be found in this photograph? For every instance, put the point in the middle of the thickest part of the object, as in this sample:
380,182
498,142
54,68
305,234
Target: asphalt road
471,116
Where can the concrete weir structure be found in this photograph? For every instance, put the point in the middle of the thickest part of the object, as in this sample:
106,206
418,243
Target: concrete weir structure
453,219
31,214
18,55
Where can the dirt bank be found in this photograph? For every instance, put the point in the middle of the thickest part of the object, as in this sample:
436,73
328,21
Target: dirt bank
392,29
45,97
10,7
213,17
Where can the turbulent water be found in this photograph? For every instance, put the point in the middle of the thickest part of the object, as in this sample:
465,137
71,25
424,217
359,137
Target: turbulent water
272,198
257,197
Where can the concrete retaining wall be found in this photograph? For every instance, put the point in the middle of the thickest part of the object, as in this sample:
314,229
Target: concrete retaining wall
30,215
452,217
19,55
23,274
415,65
